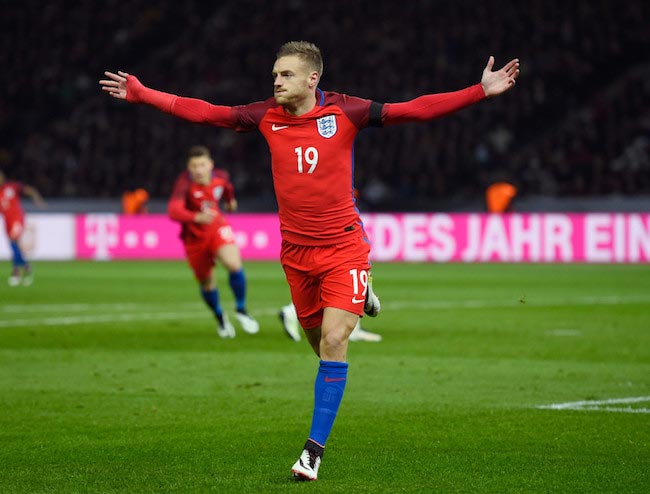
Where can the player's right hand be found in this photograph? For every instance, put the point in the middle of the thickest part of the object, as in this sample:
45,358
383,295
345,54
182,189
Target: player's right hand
115,85
205,217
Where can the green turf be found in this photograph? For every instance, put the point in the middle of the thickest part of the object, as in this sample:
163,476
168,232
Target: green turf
112,379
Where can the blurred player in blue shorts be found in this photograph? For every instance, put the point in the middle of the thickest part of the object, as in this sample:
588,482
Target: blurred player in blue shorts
14,216
207,236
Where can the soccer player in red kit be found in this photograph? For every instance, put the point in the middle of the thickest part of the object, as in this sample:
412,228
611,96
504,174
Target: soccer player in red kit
14,217
324,252
206,235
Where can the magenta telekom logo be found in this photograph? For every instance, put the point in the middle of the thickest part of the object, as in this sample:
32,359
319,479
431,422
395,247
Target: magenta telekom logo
112,236
101,234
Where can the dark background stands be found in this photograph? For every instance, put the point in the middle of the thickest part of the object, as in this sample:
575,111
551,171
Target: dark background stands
577,124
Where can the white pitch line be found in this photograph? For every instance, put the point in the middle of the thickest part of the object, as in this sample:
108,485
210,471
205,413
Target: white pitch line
615,409
197,310
99,318
486,304
394,305
595,405
564,332
19,308
111,318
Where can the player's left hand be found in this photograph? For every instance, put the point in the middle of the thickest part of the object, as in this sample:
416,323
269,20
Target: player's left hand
205,217
499,81
231,205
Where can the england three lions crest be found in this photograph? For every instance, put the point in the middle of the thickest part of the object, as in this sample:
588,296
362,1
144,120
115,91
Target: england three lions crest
327,126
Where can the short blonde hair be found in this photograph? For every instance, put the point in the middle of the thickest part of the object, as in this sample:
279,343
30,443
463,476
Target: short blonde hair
306,51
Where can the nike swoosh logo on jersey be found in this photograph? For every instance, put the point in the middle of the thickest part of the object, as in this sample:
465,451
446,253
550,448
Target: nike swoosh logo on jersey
355,300
278,127
333,379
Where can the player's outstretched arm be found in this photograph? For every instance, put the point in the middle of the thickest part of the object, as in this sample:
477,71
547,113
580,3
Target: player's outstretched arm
127,87
430,106
35,196
499,81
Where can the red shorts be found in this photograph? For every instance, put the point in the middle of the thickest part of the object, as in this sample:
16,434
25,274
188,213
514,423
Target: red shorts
326,276
201,253
14,225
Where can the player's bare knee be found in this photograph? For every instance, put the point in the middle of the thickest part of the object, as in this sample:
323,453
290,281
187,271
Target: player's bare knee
333,340
234,267
207,284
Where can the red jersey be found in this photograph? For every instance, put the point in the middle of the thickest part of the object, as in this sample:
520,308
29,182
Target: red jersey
189,197
10,207
312,154
312,163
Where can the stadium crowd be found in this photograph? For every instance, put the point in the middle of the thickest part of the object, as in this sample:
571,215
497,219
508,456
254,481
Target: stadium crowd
578,122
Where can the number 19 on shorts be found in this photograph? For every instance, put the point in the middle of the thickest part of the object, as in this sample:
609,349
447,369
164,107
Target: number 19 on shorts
359,281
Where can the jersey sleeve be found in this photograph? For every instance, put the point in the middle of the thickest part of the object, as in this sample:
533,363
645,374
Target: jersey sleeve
361,112
242,118
431,106
176,206
248,117
192,109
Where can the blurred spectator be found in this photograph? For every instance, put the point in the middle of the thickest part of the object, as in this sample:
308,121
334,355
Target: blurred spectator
499,197
135,202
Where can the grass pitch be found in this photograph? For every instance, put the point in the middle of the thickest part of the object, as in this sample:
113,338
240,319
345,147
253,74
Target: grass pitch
490,378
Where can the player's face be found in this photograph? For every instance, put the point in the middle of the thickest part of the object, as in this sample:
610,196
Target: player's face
293,82
200,168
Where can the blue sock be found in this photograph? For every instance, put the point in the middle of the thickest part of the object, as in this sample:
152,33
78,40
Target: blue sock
328,392
238,285
18,258
211,298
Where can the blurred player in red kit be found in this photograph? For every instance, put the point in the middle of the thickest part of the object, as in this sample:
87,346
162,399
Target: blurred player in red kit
207,236
14,217
325,251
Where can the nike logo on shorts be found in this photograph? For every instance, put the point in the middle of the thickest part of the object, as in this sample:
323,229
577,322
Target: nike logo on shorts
355,300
